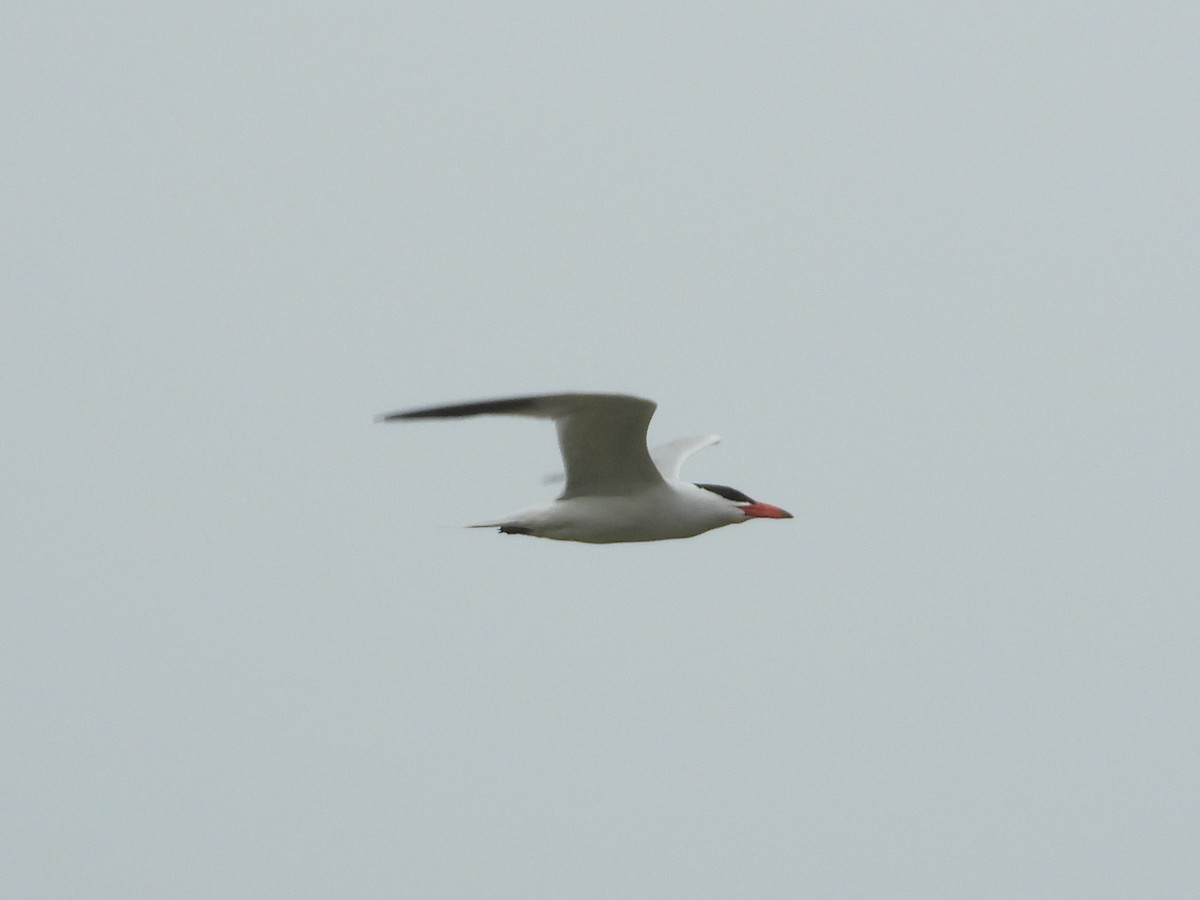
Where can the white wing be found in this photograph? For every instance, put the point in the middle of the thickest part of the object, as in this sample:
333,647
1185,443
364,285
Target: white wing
670,457
602,437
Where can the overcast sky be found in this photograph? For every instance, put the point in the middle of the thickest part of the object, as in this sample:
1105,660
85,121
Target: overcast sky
931,269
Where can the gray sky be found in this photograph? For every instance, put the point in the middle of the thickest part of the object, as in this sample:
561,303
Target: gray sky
932,271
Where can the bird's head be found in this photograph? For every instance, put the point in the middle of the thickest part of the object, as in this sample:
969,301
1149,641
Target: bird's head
749,508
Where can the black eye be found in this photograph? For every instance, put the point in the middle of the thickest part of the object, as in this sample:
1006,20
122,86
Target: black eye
727,492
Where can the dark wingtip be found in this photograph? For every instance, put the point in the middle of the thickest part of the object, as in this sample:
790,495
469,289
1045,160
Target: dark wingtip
460,410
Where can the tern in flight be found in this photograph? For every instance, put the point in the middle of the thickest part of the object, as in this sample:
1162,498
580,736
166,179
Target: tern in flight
617,490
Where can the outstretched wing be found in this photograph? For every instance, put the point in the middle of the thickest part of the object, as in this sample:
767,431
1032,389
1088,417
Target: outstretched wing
670,457
602,437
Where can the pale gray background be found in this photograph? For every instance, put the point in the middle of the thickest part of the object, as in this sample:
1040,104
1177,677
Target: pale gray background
932,270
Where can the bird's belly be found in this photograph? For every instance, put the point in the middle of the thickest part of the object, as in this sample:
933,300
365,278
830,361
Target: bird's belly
612,520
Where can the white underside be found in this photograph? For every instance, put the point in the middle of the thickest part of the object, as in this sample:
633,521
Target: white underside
674,509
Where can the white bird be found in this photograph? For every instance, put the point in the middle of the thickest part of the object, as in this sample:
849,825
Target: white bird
616,490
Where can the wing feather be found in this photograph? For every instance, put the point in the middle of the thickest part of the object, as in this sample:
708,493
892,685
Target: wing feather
602,437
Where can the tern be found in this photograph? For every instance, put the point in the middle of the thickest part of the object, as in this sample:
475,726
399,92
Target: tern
617,491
